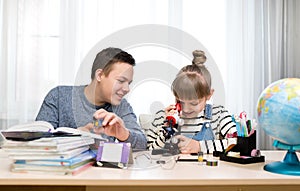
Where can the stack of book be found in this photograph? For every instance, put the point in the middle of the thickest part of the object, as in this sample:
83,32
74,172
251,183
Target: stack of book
38,147
67,155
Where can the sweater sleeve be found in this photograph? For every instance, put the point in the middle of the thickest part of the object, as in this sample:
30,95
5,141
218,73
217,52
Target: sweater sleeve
136,137
49,109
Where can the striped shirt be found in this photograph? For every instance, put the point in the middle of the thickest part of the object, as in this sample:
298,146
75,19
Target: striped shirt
221,124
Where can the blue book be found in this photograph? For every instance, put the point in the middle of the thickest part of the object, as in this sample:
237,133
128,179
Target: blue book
85,156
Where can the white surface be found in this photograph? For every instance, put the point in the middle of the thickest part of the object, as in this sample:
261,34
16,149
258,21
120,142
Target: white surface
184,173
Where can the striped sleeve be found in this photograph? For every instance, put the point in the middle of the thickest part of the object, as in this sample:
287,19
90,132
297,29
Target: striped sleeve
208,146
155,136
222,125
227,125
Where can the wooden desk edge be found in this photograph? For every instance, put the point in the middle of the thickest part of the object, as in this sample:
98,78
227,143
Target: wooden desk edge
205,182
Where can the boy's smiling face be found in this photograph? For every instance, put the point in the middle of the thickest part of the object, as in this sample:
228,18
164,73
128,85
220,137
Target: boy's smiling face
116,85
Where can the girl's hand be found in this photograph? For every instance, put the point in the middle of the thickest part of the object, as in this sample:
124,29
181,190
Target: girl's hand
170,110
187,145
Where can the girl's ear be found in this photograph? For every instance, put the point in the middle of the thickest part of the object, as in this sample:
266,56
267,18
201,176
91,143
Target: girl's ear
211,93
98,74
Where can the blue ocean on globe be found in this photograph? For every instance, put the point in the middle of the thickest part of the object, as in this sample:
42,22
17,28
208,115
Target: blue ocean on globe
278,110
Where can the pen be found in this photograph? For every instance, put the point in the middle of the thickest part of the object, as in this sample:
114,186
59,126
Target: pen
239,128
243,118
189,160
249,126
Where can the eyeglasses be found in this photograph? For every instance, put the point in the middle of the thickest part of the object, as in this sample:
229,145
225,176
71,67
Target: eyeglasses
144,160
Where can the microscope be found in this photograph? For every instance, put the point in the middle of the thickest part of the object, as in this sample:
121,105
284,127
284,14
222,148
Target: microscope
172,128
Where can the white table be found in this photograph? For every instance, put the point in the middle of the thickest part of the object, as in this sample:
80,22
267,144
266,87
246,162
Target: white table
184,176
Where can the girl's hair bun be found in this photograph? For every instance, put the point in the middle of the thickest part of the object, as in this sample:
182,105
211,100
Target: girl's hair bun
199,57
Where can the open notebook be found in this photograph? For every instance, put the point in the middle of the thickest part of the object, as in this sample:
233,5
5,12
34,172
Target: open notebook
39,129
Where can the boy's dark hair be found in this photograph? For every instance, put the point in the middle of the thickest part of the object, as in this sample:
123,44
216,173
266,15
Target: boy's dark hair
106,58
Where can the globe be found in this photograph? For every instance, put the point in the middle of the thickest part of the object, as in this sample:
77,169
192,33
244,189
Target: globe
278,114
278,110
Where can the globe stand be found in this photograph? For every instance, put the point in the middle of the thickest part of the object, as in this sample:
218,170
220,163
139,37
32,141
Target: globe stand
290,164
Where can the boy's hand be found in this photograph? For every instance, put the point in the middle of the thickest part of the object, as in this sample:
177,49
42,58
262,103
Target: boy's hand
112,125
88,127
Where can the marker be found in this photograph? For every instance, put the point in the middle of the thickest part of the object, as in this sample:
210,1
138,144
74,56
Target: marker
243,119
240,132
244,127
249,126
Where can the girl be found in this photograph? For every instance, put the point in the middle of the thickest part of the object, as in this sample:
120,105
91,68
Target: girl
199,131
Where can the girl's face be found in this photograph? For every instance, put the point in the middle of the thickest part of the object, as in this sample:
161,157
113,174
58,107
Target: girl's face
191,108
116,85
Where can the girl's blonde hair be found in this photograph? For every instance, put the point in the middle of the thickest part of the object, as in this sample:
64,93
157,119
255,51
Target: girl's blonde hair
193,81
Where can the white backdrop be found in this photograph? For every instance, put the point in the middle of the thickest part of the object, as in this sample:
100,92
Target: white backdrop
45,42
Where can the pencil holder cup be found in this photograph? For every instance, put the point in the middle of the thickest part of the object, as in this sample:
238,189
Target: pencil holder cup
246,144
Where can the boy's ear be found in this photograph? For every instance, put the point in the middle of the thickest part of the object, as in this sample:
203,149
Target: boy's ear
98,74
